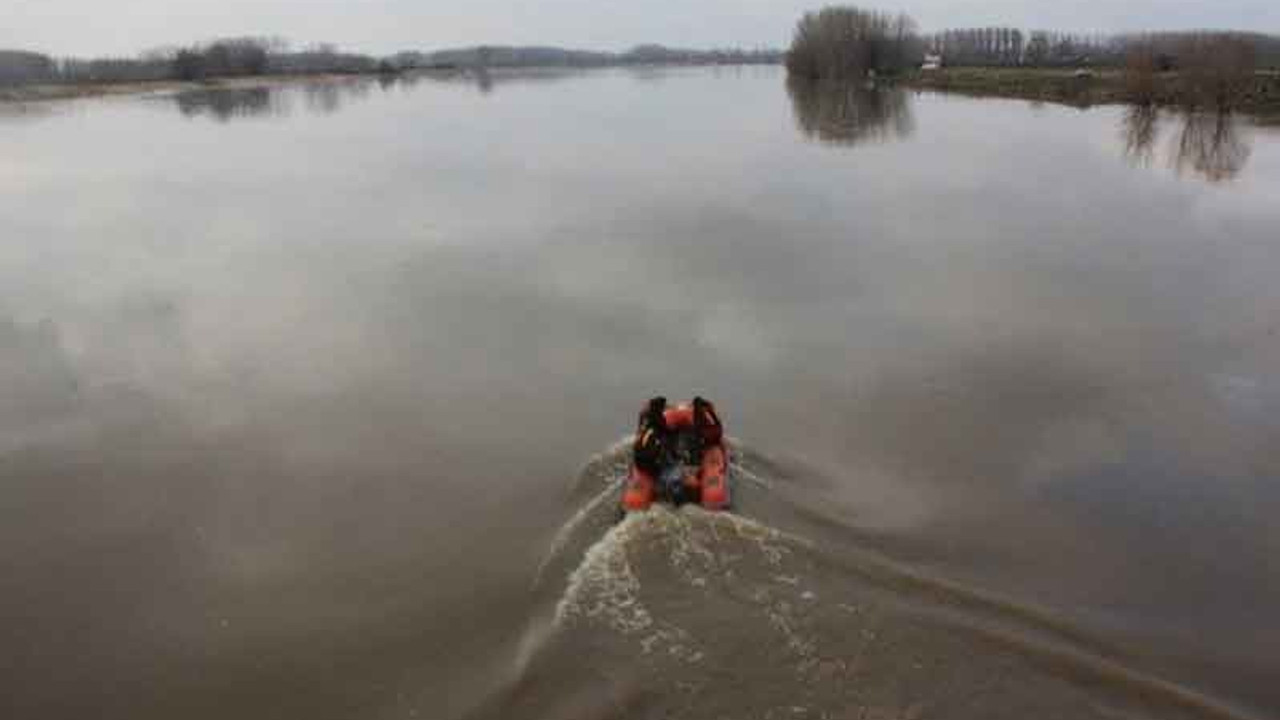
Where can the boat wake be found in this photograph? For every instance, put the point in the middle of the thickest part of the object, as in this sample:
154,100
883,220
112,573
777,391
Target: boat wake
682,613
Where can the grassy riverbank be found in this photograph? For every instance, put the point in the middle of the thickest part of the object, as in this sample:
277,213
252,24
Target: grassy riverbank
1102,87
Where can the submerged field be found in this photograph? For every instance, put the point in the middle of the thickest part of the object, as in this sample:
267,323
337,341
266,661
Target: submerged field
1097,87
311,398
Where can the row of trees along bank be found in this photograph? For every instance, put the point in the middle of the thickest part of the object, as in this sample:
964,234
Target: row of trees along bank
1205,68
232,57
250,56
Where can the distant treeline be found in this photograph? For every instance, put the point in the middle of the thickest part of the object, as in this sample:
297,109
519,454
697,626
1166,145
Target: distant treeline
240,57
1011,47
232,57
850,42
501,56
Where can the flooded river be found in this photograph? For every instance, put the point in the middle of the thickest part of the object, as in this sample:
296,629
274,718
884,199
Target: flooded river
312,399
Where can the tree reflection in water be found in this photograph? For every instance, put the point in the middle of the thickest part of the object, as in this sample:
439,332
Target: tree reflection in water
1212,146
850,113
277,100
226,104
1208,144
1141,128
327,98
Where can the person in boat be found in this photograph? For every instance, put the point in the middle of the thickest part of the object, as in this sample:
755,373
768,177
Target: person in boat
654,438
667,442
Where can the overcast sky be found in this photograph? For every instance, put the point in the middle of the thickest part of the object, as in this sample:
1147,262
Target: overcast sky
383,26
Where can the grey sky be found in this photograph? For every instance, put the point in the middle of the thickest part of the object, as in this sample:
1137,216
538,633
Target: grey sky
382,26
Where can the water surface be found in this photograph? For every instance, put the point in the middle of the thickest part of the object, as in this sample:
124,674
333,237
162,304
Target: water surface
302,385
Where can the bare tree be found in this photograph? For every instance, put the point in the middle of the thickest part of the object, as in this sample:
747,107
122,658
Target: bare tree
1218,68
847,42
1140,71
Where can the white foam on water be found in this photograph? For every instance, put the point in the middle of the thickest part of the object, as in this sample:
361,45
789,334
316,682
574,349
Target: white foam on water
704,549
782,619
604,584
774,546
610,467
606,588
534,637
566,531
771,542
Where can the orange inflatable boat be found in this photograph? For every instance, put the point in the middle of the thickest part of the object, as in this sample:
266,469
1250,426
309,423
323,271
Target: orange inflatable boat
679,456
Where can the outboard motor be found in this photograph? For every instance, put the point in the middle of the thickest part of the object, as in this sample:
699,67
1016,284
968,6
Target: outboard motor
671,482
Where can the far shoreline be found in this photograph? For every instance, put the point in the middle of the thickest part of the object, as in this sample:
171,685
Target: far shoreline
51,92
